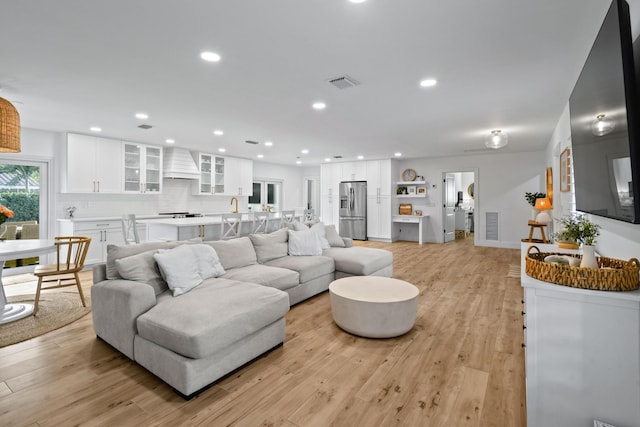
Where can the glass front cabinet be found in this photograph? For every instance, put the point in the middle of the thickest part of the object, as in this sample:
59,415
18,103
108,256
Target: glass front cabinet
142,168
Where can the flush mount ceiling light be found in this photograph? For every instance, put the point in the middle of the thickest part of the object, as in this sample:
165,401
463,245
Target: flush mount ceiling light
496,139
218,132
602,125
9,127
170,141
95,129
319,105
210,56
428,82
142,116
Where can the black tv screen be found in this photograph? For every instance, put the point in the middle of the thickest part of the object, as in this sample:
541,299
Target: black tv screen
606,161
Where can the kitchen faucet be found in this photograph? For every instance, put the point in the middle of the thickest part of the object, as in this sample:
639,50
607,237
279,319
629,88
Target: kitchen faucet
236,200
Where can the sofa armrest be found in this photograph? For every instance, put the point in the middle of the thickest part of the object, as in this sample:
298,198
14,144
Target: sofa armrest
116,305
99,272
348,242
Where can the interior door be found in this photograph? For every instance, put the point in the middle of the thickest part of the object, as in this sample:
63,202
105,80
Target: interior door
449,217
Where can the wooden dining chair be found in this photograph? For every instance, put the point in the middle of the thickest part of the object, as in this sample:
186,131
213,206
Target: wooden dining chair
29,231
260,223
70,254
230,226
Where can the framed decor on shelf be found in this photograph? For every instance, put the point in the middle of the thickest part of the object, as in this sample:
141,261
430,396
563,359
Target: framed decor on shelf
565,170
422,191
411,190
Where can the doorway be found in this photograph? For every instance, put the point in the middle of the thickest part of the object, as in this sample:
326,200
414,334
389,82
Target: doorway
459,205
24,191
266,196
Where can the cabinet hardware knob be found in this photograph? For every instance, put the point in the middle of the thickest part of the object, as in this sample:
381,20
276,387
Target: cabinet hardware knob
524,327
522,301
523,313
524,345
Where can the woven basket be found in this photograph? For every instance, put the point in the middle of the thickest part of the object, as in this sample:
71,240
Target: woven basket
613,274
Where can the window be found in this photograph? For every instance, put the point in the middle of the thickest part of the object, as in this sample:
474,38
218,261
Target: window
266,194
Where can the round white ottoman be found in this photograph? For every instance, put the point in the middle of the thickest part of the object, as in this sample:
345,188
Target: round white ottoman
374,307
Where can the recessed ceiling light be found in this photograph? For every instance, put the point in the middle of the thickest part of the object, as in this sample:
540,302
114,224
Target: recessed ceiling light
170,141
95,129
260,156
357,1
218,132
268,143
298,162
319,105
210,56
222,150
398,154
428,82
305,151
360,157
142,116
327,159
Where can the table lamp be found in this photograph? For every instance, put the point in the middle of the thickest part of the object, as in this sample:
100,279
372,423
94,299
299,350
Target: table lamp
543,204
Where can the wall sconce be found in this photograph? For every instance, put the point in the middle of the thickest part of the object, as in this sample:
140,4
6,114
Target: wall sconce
9,127
602,125
496,139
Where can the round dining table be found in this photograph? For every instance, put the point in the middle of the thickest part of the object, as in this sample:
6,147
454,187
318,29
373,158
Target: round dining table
18,249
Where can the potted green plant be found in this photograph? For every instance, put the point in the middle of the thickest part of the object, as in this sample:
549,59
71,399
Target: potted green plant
531,199
576,229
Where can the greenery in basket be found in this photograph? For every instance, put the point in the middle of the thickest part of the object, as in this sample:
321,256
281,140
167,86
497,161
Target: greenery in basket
577,228
531,197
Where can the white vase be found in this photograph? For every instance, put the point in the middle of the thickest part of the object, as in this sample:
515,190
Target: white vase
534,214
589,257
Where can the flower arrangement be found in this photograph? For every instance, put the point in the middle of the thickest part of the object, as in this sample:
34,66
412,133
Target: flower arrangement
5,213
531,197
577,228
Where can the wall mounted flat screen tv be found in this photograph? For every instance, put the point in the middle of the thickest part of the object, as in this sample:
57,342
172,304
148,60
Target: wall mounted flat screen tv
605,124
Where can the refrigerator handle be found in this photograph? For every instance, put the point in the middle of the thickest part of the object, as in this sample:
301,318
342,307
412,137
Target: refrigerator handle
351,198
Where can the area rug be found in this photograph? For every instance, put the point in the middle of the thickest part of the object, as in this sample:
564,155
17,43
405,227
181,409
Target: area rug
514,271
56,310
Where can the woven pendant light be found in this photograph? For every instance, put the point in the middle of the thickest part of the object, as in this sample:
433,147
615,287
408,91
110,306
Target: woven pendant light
9,128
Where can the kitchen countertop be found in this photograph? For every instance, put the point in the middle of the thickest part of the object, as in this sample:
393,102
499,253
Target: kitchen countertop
208,218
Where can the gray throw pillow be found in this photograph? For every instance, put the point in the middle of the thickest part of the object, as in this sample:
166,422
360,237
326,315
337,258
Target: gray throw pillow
207,261
318,228
142,268
179,269
270,246
334,239
235,253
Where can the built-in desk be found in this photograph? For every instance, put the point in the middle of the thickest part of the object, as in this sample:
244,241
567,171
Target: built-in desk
413,219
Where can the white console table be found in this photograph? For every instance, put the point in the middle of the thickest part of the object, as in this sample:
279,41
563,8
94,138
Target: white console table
413,219
582,354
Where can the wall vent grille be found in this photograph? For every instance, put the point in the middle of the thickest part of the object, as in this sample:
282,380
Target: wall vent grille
491,229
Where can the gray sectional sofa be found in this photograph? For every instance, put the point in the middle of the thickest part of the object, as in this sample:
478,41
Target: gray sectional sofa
220,323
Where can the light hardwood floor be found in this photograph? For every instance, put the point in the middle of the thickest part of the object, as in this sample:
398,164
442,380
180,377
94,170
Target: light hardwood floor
461,365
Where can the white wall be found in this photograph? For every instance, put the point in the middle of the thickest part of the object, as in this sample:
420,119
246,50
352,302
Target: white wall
617,239
501,181
291,177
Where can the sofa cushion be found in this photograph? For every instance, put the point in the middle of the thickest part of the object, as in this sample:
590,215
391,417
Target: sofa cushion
234,253
308,267
212,316
179,268
266,275
270,246
319,229
304,243
334,239
207,260
142,268
359,261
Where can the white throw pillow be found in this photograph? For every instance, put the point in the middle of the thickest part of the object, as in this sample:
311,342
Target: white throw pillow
318,228
207,261
304,243
179,268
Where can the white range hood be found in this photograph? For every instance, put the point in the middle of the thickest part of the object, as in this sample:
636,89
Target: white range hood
179,164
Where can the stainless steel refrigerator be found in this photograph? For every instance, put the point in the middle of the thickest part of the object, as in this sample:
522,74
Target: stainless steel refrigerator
353,209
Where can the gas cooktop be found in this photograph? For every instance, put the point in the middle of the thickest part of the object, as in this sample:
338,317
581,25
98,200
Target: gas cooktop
181,214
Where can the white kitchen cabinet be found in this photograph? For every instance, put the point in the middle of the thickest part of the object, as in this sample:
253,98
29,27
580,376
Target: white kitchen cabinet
379,218
330,177
353,171
582,355
211,179
93,165
379,177
238,176
102,233
142,168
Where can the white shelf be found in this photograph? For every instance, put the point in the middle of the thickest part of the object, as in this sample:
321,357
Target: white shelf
411,182
411,196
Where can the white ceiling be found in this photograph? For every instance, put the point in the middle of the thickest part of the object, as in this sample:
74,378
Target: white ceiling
507,64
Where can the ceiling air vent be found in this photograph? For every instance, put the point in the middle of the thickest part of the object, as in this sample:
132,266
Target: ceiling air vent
344,82
337,157
252,142
145,127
